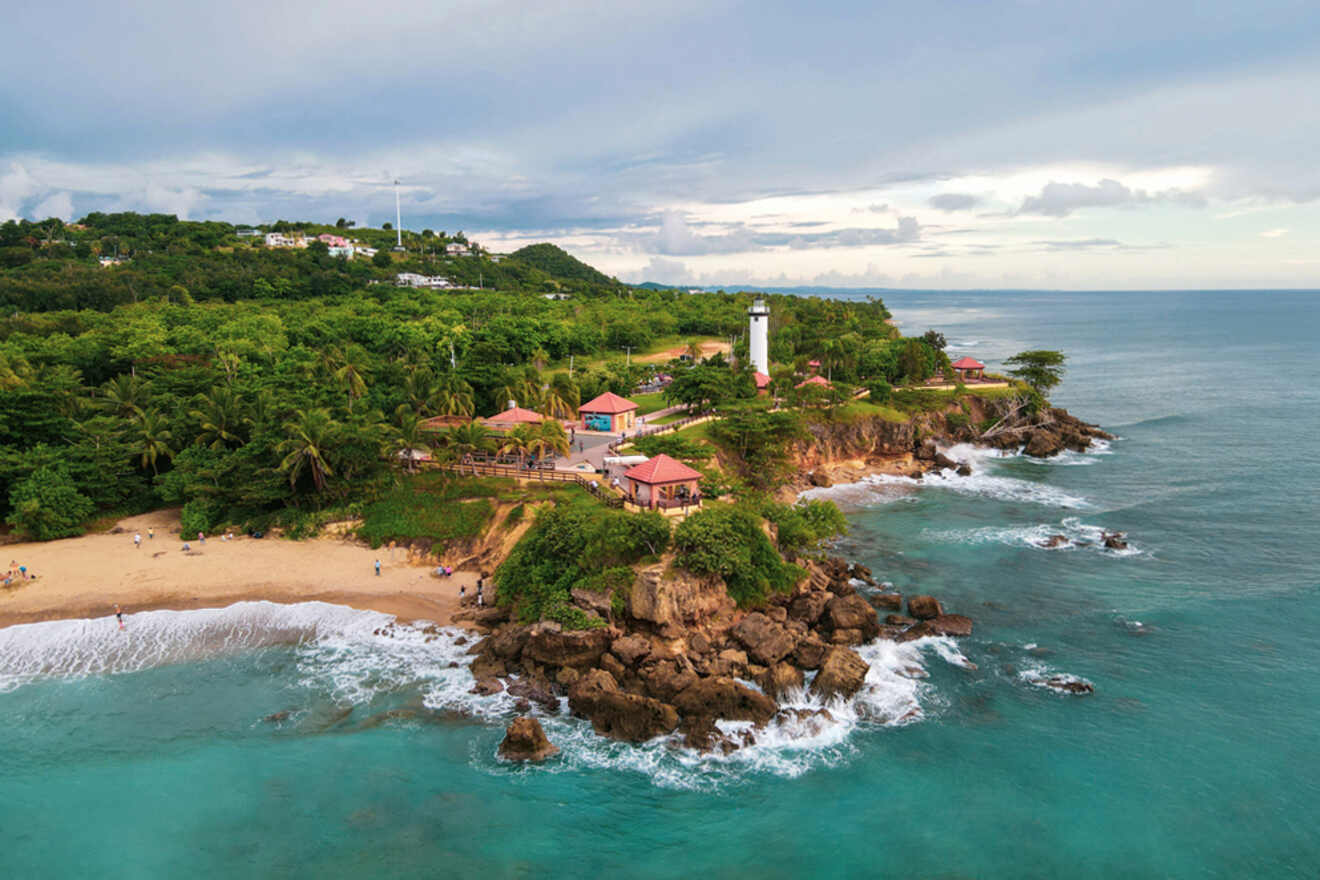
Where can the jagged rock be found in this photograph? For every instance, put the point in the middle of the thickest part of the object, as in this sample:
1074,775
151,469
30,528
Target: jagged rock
1044,443
777,613
812,719
614,666
589,600
848,636
724,698
925,450
924,607
630,649
1069,685
487,686
674,599
521,705
766,641
809,606
885,601
852,612
276,717
843,588
820,479
964,469
699,643
567,676
530,690
700,733
899,620
943,462
810,652
1114,541
665,679
619,715
842,674
508,642
547,643
862,573
526,741
486,665
461,640
491,615
731,662
1053,541
950,625
780,678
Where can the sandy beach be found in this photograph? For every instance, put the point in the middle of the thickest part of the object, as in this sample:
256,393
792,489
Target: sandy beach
86,576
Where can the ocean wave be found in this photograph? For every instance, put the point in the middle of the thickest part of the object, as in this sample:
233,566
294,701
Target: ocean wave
1059,682
96,646
879,489
1078,535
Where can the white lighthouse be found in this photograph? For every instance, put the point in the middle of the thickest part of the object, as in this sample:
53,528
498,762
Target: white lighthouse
758,341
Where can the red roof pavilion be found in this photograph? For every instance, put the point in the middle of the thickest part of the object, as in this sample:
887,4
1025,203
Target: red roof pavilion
609,403
762,380
966,363
814,380
660,470
515,415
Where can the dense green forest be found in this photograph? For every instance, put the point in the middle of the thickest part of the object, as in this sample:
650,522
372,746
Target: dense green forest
251,384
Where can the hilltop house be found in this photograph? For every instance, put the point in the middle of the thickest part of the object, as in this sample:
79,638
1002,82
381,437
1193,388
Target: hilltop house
663,483
412,279
280,240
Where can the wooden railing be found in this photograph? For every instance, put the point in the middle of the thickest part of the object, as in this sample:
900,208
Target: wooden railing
592,483
675,425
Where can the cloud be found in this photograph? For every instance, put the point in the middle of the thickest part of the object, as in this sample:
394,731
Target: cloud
677,237
58,204
1061,199
664,271
954,201
1274,233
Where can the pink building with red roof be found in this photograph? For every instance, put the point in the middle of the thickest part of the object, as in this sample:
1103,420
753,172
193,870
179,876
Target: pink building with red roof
969,368
663,483
608,412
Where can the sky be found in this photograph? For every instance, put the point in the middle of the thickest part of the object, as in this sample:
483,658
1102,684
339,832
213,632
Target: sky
994,144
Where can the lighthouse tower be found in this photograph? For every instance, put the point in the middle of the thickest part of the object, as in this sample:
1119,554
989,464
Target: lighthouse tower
759,337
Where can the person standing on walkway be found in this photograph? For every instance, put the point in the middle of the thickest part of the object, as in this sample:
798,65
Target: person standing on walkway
377,568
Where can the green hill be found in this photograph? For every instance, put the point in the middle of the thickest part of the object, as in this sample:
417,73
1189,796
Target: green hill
557,262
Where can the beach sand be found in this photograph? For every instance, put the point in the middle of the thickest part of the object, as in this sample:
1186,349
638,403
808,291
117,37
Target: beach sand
86,576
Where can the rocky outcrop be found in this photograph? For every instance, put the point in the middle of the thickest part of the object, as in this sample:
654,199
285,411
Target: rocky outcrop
618,715
766,641
526,741
550,645
720,697
842,674
924,607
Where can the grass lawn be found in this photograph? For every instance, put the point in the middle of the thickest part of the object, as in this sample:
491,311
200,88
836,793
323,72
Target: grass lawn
649,403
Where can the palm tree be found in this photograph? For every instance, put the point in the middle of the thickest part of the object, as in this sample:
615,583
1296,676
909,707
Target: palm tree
304,448
540,357
454,397
353,372
422,390
469,439
219,416
518,441
125,395
549,437
154,438
408,434
562,397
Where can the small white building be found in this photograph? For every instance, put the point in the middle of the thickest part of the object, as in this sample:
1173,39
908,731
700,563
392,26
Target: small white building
454,249
345,251
364,251
412,279
280,240
247,233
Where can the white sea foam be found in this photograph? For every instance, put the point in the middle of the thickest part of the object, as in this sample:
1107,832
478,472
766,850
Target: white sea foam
1058,682
886,488
352,658
1079,535
75,648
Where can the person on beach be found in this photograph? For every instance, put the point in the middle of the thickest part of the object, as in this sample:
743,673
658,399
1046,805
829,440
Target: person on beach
201,538
119,615
151,533
137,541
22,572
377,568
186,548
462,593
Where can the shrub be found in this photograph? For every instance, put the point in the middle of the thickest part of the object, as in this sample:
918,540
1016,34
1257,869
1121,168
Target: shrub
674,446
728,542
806,525
47,505
881,391
198,515
957,420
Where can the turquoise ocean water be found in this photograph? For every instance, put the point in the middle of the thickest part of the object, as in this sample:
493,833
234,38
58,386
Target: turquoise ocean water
145,754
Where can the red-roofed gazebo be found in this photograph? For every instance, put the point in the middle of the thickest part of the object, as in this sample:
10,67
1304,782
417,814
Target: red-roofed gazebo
514,415
608,412
762,382
814,380
663,482
969,368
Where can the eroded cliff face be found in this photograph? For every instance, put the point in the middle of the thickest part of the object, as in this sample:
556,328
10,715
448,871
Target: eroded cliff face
846,451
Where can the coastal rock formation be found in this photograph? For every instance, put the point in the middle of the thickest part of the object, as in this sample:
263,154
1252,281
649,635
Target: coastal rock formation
680,656
842,674
526,741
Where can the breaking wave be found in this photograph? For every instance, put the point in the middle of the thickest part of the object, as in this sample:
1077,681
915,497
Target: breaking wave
1077,536
878,489
363,659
